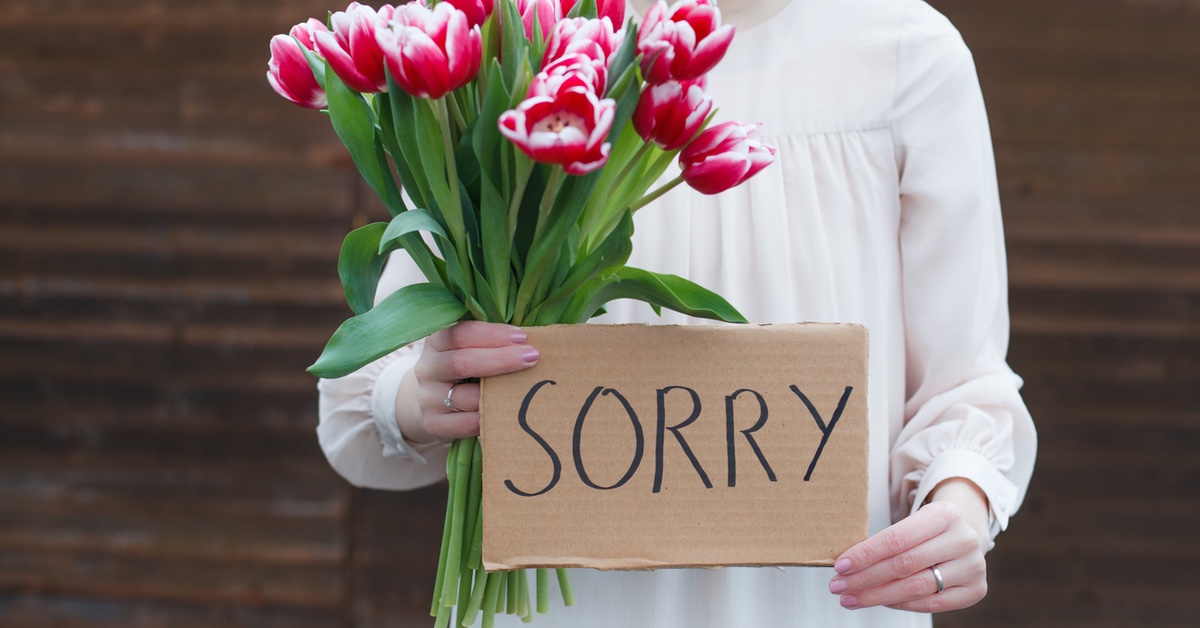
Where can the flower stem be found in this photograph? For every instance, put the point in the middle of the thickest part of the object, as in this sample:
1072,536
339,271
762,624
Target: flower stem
454,213
653,196
524,168
548,200
543,590
564,585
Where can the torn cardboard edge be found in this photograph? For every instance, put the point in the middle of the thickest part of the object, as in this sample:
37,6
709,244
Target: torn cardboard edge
651,446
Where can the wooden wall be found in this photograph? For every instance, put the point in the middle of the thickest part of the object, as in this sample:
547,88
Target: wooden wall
168,230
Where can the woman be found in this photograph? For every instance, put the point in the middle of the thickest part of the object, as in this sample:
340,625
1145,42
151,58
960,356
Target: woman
882,209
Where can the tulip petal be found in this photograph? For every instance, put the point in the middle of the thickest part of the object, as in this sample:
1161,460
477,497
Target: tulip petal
717,174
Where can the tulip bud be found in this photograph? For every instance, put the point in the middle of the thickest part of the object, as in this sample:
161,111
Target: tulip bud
594,38
550,80
546,12
724,156
683,42
614,10
288,71
670,114
567,128
478,11
352,49
430,51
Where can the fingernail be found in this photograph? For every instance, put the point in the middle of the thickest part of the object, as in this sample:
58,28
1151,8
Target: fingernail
530,356
849,601
842,565
518,336
838,586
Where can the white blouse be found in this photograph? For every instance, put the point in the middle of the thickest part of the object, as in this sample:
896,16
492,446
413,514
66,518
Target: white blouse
882,209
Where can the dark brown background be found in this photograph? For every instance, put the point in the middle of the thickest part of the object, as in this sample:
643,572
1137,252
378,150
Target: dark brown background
168,230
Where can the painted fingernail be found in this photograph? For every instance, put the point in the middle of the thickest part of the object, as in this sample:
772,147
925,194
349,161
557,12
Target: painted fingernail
838,586
530,356
849,601
518,336
842,565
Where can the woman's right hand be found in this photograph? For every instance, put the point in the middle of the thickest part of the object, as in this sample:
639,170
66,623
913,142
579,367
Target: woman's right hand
466,350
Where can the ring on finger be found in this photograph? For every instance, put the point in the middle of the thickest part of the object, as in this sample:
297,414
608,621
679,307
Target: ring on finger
937,576
449,401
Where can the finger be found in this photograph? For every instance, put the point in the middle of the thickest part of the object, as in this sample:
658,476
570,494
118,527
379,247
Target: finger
910,532
463,398
959,575
956,541
452,426
467,334
460,364
948,600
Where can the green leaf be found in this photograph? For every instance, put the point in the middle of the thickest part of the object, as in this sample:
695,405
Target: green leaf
659,290
360,264
408,222
409,314
611,253
354,122
586,9
403,106
391,141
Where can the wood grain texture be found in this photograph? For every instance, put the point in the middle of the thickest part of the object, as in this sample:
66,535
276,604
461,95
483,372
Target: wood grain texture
168,231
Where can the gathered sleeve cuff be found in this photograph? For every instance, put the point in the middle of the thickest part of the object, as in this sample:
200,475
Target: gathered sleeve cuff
358,430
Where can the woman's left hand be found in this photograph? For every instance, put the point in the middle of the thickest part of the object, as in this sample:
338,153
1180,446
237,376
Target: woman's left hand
894,567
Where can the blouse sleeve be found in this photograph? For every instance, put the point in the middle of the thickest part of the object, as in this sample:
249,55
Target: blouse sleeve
358,429
963,415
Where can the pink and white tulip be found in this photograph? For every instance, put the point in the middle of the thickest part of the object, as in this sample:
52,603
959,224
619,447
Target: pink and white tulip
546,12
670,114
478,11
352,49
567,128
430,51
683,42
288,71
614,10
550,80
594,38
724,156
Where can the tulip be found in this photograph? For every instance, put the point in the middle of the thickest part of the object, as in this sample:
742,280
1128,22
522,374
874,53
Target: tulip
352,49
614,10
478,11
550,80
682,43
670,114
288,71
547,12
594,38
430,51
567,128
723,157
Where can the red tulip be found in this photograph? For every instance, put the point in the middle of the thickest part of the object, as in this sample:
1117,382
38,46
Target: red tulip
547,12
289,73
670,114
478,11
614,10
430,51
723,157
352,49
684,43
550,80
567,128
594,38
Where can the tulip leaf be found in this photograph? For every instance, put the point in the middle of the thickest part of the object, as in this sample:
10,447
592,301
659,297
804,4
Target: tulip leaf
614,251
409,314
409,222
586,9
513,43
360,264
392,142
354,123
403,106
658,290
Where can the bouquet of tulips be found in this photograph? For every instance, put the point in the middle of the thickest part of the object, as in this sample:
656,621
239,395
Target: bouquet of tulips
520,137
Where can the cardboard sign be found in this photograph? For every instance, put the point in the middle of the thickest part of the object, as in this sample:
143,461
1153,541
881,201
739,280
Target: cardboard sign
639,447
